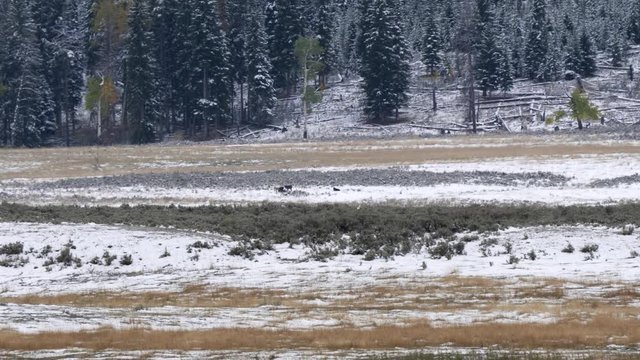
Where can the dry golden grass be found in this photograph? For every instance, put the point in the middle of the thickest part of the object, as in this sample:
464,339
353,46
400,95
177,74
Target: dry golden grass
191,296
540,292
92,161
597,333
590,322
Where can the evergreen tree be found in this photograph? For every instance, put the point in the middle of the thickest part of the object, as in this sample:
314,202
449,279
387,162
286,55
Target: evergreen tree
46,15
139,87
488,59
30,109
384,57
186,92
616,51
537,41
237,13
588,60
431,46
4,61
210,75
345,40
70,64
633,29
261,93
283,28
167,46
324,30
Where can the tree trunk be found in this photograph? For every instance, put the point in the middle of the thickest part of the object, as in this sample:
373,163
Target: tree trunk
579,124
435,102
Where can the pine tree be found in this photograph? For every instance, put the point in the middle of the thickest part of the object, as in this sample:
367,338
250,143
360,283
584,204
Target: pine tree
167,46
537,41
139,87
345,40
633,29
46,16
70,64
588,60
30,109
261,93
616,51
431,47
384,57
4,61
488,59
283,28
324,30
210,75
237,12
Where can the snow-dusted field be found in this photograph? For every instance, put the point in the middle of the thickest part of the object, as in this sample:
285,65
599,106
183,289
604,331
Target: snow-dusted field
284,268
174,285
590,179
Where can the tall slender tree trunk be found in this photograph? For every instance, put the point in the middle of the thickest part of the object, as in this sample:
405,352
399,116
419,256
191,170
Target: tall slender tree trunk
472,95
205,96
242,118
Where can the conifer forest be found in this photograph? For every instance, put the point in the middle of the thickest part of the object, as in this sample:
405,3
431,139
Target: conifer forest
76,72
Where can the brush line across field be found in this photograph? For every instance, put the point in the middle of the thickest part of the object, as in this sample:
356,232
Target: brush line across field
291,222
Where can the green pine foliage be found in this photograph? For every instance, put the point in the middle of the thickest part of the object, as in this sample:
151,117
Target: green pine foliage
208,69
261,92
384,57
30,109
536,47
140,80
431,47
283,26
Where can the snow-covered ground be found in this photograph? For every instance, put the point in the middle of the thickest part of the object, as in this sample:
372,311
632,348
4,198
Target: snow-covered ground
591,179
287,268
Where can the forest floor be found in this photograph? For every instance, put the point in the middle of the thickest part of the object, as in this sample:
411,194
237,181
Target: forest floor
194,291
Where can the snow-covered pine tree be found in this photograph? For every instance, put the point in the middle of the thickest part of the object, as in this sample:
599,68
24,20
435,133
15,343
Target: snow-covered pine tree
345,40
166,47
324,29
186,93
31,109
210,75
633,29
140,89
70,58
431,46
488,59
283,27
237,13
588,61
46,16
384,57
4,62
261,93
615,49
536,47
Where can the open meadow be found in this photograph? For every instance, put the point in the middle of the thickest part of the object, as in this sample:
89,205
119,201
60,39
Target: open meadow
480,247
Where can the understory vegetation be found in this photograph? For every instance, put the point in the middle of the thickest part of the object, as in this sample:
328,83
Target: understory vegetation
327,229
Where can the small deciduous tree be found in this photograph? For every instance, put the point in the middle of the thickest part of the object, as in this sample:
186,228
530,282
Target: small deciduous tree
309,54
582,108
